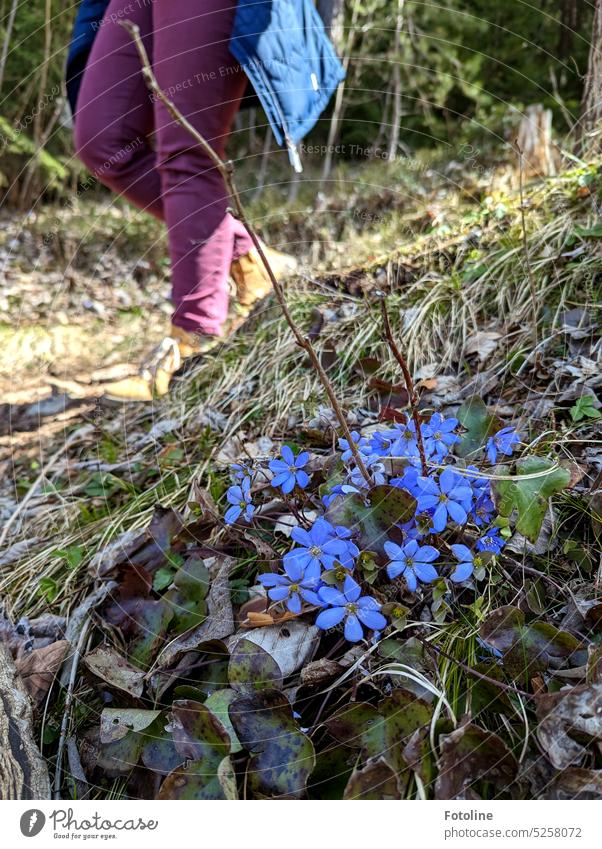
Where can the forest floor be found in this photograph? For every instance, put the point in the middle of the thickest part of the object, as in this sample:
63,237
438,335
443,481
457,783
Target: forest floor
106,507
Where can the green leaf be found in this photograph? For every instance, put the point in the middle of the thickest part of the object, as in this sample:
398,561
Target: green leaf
381,731
162,578
282,756
218,703
373,517
251,668
527,648
187,598
536,480
199,737
584,408
479,424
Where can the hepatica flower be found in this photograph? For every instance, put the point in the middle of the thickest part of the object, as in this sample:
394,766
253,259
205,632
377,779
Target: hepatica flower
413,562
239,496
465,566
405,443
295,585
439,435
491,541
360,442
449,499
349,605
502,442
289,471
317,547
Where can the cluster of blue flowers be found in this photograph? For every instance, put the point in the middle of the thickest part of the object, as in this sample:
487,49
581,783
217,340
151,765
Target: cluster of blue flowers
319,570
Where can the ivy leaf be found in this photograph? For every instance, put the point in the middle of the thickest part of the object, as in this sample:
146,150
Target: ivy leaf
282,756
536,480
372,518
479,424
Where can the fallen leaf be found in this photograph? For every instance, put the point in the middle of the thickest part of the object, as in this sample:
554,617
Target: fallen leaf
290,644
115,723
108,665
567,715
470,754
39,668
376,780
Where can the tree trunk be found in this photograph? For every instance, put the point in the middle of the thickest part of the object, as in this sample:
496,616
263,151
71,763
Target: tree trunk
23,771
332,14
396,59
7,36
589,130
534,141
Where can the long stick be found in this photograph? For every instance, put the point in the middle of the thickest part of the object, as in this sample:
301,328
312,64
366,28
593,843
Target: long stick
412,394
226,170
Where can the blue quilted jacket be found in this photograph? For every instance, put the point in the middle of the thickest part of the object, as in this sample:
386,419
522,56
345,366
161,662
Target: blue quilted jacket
283,48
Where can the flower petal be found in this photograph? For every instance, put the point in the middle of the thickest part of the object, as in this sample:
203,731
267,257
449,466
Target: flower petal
353,629
287,455
372,619
331,617
351,589
332,596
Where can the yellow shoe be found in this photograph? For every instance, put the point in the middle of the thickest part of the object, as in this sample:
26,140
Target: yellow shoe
156,372
251,278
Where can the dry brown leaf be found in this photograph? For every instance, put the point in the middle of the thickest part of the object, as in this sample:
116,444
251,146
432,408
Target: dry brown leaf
39,668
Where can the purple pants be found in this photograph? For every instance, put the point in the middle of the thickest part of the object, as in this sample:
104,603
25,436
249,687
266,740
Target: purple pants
187,41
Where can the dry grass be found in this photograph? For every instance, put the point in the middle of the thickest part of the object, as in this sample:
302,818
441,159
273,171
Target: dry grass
444,287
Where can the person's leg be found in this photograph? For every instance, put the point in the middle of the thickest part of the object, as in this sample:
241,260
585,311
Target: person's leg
115,115
193,65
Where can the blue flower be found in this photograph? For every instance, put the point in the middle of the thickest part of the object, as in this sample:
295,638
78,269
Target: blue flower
492,541
465,567
405,443
439,435
409,480
296,585
319,545
483,510
450,499
503,442
239,496
381,442
289,471
360,442
413,562
356,479
240,471
355,610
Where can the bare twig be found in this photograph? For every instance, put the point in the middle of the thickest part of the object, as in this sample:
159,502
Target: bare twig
226,169
469,671
523,217
67,710
412,394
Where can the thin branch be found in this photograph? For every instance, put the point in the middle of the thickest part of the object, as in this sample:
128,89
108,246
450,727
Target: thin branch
226,169
469,671
523,217
412,394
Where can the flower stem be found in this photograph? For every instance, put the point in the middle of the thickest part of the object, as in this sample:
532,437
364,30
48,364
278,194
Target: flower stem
412,394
